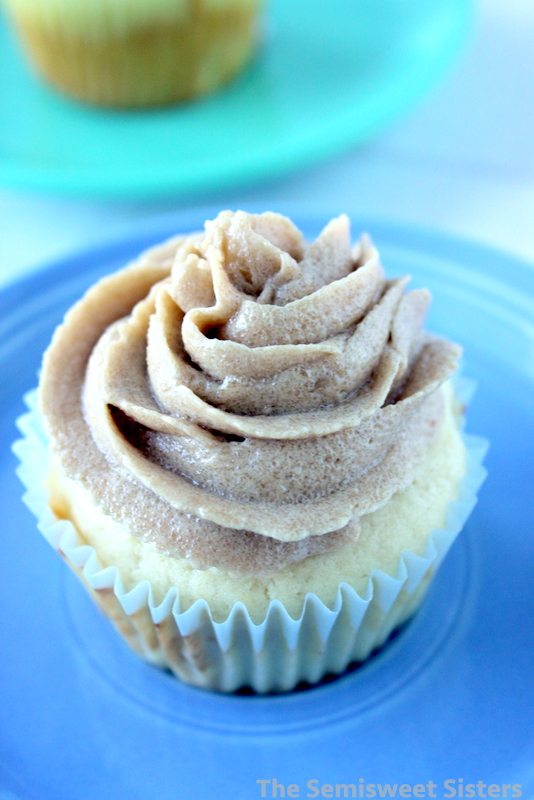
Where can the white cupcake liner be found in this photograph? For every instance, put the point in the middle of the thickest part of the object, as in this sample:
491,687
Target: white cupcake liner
278,653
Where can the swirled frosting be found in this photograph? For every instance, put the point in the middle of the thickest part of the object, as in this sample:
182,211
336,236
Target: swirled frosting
240,397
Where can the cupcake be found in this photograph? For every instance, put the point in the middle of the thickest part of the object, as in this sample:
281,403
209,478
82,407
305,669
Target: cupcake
251,453
131,53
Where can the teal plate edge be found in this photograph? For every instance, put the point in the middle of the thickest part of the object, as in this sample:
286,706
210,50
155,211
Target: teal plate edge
29,161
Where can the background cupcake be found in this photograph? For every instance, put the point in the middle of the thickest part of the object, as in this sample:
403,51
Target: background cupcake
131,53
291,510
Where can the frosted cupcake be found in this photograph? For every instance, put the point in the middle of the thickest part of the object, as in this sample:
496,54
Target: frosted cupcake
261,447
132,53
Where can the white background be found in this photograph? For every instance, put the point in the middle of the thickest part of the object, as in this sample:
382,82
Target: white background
462,162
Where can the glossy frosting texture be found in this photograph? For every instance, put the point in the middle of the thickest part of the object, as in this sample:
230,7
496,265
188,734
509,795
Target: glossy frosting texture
241,397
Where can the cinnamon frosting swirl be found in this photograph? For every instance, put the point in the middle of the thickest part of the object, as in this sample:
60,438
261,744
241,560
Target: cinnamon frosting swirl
240,397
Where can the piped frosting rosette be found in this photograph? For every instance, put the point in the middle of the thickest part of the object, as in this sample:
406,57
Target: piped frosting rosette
240,397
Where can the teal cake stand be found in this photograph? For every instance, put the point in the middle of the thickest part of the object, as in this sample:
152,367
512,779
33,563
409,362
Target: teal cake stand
329,75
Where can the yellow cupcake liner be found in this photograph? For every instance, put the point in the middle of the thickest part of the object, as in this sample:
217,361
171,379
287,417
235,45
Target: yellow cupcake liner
133,54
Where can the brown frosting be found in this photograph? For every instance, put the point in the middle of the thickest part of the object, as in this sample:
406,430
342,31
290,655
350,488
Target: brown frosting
240,397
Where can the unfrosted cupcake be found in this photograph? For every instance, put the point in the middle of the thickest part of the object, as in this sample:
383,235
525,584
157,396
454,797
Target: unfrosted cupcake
134,53
261,447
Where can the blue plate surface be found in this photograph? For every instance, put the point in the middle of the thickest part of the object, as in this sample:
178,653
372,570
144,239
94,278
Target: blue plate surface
329,75
449,698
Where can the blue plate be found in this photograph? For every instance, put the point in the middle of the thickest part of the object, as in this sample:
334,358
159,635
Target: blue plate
331,73
449,698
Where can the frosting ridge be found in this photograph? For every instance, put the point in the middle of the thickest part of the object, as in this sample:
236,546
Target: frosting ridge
252,395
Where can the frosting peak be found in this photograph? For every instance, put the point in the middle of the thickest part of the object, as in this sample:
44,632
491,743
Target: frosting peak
245,396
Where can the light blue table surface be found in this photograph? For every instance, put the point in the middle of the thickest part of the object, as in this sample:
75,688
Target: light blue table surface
462,162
